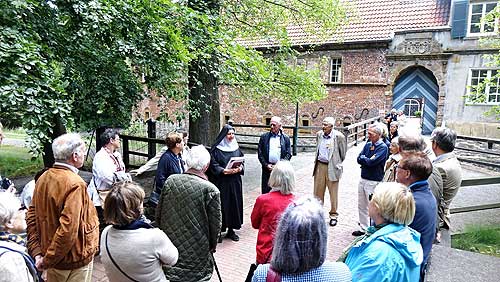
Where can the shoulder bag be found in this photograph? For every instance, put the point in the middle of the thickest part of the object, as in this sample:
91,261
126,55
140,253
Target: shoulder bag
114,262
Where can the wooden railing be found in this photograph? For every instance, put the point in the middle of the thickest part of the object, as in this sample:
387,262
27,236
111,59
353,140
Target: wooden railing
478,182
353,134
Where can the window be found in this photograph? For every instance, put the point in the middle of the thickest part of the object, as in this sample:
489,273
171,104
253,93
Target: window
336,70
483,86
478,11
411,106
266,118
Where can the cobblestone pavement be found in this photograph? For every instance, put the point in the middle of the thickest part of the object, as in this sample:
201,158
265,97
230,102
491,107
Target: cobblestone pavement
234,258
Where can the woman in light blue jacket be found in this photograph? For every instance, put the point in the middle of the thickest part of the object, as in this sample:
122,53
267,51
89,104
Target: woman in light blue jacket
390,250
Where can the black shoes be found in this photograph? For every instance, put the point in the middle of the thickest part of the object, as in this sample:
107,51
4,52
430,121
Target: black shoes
333,221
232,236
358,233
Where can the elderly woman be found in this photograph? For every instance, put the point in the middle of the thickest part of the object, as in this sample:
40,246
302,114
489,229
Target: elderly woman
228,180
300,247
131,248
393,130
392,161
390,250
15,263
269,207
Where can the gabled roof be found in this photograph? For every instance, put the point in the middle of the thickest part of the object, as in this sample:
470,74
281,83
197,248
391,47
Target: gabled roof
374,20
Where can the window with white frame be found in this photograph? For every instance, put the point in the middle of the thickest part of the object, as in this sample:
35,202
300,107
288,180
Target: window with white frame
335,70
483,86
477,25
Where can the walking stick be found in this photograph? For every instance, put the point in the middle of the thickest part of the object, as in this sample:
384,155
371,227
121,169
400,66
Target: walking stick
216,268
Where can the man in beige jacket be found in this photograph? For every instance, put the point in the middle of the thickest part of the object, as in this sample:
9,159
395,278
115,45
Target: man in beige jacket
331,149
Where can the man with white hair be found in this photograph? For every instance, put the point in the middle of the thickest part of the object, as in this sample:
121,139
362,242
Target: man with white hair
189,212
273,146
443,143
372,160
331,149
63,229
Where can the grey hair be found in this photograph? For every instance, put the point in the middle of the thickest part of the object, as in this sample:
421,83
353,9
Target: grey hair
301,237
65,145
9,205
377,127
108,134
395,123
277,119
199,158
283,177
444,138
411,143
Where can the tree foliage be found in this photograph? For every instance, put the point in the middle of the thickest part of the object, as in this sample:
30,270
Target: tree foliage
87,63
478,94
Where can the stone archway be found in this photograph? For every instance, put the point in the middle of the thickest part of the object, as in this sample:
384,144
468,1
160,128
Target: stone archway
416,89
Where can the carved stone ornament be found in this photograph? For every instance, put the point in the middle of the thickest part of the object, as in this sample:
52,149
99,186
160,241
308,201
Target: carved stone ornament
418,47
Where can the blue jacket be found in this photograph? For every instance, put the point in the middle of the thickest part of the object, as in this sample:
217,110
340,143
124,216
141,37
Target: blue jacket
425,215
391,254
372,160
168,164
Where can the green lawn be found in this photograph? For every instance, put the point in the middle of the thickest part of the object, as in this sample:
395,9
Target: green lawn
16,161
17,133
479,239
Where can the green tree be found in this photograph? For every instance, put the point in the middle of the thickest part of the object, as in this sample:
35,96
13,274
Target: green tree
479,93
80,64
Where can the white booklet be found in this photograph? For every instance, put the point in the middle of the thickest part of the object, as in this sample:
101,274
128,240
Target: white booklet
235,162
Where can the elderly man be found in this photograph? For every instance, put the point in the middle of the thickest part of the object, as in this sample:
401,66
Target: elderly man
443,143
413,171
372,160
331,149
189,212
273,147
62,221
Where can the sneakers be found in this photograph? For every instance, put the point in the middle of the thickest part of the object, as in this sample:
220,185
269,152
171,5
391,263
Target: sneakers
358,233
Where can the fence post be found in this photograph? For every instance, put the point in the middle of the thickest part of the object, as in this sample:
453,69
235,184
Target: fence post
296,130
151,134
346,134
364,132
490,145
356,135
126,155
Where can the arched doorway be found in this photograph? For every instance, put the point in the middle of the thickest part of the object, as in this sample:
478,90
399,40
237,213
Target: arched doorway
415,91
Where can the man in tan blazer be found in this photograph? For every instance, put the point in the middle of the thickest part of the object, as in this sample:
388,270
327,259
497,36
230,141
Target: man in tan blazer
331,149
443,143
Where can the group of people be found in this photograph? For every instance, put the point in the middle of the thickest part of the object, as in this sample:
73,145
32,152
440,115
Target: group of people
198,195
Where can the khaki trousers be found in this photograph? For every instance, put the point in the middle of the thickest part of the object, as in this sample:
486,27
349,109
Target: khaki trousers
82,274
321,181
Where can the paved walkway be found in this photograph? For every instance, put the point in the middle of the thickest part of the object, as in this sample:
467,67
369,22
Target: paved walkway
234,258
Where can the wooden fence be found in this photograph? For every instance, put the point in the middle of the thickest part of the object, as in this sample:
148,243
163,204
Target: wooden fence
146,147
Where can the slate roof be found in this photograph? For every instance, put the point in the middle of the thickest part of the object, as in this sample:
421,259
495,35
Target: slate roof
375,20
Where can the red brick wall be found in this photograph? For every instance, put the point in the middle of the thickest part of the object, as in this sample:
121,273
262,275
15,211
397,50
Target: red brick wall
364,85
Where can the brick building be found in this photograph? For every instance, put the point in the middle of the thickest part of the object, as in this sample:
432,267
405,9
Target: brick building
406,54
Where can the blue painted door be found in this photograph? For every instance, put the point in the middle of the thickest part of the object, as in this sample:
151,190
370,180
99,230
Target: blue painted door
417,85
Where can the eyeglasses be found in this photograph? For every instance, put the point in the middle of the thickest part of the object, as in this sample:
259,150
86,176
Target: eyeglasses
399,167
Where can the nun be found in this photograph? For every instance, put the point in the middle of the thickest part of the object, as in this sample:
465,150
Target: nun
228,180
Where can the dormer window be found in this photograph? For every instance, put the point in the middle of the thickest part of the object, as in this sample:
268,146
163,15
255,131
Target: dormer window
477,25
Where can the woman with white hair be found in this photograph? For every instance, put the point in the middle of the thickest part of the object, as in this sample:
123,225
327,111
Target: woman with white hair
15,263
300,247
390,250
269,207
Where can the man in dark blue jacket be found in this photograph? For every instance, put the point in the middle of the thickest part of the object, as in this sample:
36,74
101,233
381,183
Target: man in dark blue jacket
413,170
372,160
273,147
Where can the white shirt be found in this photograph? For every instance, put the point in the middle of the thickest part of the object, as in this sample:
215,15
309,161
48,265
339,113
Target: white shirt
103,167
274,148
324,148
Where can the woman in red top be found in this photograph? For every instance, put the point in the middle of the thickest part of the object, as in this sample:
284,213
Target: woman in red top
269,207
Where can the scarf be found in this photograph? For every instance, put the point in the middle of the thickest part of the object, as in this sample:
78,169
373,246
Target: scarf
14,238
141,222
